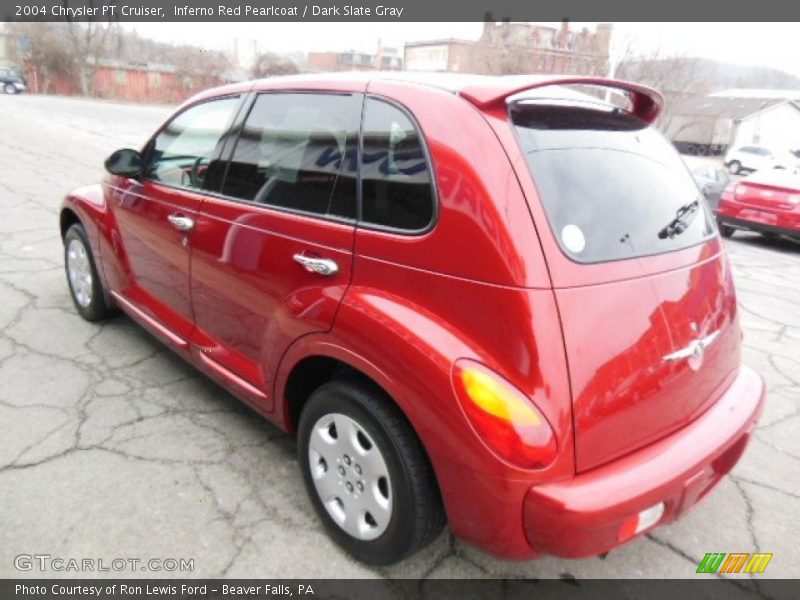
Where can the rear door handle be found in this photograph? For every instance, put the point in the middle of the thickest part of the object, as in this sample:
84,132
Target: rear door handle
321,266
181,222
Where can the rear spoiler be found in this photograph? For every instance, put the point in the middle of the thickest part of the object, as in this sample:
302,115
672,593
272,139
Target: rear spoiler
646,102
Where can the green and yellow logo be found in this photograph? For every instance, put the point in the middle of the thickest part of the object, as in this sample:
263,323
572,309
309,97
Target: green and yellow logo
734,562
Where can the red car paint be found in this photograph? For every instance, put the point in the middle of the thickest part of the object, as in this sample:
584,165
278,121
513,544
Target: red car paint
767,202
487,282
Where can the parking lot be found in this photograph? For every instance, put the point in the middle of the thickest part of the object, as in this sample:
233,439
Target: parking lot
113,447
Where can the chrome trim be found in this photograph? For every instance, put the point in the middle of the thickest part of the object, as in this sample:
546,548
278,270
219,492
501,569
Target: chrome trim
181,222
321,266
696,348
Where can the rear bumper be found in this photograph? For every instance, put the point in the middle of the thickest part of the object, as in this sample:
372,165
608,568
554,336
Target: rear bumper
759,227
583,516
753,219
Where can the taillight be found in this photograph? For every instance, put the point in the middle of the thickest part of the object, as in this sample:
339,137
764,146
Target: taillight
728,192
503,417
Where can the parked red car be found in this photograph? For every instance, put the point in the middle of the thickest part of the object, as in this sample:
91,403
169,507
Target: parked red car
768,202
495,301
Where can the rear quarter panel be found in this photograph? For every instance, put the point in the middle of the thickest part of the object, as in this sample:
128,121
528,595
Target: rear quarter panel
474,286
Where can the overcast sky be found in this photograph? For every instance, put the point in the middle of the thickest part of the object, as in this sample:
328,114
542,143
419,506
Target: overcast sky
766,44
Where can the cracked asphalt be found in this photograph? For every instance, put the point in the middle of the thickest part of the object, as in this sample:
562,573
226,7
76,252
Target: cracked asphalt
113,447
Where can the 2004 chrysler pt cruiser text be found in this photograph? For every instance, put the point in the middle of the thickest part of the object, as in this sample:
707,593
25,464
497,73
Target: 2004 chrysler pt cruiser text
496,303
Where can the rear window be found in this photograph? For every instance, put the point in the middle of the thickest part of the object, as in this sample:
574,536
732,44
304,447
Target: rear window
612,187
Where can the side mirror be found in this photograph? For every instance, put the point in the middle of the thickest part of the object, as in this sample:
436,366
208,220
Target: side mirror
125,162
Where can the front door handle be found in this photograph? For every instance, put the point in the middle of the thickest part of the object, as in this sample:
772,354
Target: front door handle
321,266
181,222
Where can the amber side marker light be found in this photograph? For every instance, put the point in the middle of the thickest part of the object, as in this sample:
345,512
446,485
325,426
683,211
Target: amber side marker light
505,419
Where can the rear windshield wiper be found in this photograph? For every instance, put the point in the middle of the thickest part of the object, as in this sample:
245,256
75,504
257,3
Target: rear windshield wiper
683,218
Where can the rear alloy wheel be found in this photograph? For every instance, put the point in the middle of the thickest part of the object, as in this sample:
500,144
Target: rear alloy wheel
85,286
367,473
734,167
725,231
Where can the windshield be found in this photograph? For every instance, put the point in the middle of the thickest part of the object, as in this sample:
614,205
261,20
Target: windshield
612,187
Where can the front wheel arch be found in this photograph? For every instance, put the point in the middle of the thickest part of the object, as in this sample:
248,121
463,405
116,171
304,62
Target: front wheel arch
67,219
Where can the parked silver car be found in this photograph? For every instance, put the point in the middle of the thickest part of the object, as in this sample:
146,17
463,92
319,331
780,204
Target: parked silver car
710,177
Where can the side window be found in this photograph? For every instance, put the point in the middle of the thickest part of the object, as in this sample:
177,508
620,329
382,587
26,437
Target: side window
298,151
181,154
397,190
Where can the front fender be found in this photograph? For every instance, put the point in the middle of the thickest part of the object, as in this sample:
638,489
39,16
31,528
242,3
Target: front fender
88,206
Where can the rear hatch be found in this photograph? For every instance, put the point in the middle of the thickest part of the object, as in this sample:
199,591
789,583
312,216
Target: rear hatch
651,332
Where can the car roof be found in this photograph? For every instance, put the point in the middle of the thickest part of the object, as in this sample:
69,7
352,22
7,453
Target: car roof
484,91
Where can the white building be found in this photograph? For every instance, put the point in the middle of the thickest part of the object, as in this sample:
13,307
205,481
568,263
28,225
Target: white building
711,124
775,126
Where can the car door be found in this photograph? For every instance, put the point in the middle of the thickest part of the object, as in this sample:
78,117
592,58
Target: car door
156,213
272,256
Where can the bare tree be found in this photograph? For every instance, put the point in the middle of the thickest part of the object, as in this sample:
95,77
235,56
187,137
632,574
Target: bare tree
40,45
269,64
679,78
88,44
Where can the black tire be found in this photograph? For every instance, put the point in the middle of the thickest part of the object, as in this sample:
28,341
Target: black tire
734,167
98,307
725,231
417,515
10,88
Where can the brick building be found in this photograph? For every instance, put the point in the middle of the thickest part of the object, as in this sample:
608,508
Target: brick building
129,82
516,48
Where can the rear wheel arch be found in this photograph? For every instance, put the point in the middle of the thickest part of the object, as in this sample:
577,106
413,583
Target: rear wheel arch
315,370
312,371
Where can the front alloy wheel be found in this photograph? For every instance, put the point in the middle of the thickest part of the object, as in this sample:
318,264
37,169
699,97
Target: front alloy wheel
80,272
85,286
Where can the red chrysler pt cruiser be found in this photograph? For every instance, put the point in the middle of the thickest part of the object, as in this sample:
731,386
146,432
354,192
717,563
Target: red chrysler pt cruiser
497,303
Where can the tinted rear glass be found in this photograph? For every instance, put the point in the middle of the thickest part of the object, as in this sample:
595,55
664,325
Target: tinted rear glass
397,190
612,187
